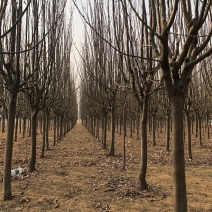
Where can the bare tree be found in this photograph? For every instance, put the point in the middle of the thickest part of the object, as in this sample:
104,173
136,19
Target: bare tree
179,37
11,71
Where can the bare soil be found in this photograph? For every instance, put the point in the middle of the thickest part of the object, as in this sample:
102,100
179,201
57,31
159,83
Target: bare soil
77,175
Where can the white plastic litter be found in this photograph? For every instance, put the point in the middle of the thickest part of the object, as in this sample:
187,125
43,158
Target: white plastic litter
14,172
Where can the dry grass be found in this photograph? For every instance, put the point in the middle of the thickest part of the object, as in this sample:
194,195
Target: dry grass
76,175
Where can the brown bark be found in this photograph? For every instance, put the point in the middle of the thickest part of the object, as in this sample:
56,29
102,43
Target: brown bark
167,131
55,128
200,129
44,135
7,190
104,136
16,128
34,141
153,130
180,199
113,124
143,166
189,134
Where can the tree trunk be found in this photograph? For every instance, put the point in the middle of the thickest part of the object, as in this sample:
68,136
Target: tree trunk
150,124
153,130
29,127
44,134
189,135
161,125
131,126
120,123
143,165
113,124
20,125
196,126
3,124
61,126
125,135
208,125
200,129
180,199
55,127
24,128
97,129
192,125
34,137
167,131
47,130
117,124
138,127
16,129
105,130
41,125
7,190
58,127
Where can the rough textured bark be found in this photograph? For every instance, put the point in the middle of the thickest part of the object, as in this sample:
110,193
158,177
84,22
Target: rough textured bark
61,126
7,190
125,135
34,142
189,134
58,127
167,131
196,119
200,129
138,127
131,126
153,130
44,135
47,131
104,130
177,102
24,127
55,127
113,124
16,128
143,166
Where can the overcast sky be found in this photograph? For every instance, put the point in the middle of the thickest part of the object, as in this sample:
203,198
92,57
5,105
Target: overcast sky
78,29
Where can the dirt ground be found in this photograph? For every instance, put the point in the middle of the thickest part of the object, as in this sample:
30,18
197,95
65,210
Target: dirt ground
77,175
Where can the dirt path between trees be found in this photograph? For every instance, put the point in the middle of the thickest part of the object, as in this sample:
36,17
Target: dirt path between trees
76,175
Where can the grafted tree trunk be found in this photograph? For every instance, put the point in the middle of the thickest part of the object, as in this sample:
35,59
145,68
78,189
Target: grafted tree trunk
120,123
189,134
61,126
3,124
125,135
47,130
177,102
104,129
55,128
16,128
58,127
131,126
97,128
200,129
138,127
153,130
7,190
24,127
20,125
196,119
34,142
208,125
44,134
112,148
143,166
167,131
